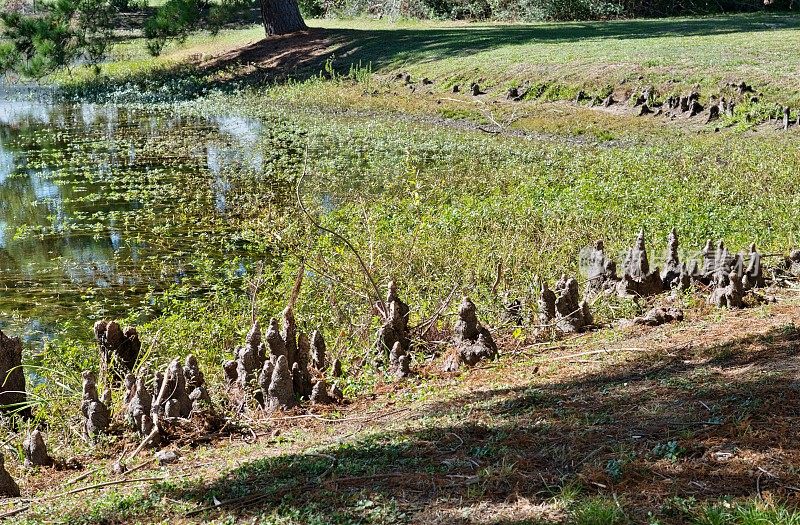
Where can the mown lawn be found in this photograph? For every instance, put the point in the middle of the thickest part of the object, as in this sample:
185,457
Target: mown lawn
674,53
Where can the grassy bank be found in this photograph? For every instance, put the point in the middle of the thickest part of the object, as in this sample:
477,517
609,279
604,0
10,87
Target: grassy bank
434,194
672,425
672,54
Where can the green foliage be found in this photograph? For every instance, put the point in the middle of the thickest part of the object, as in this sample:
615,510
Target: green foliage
670,450
597,511
357,73
451,9
172,20
529,10
314,8
63,32
125,6
556,9
9,56
749,513
614,468
525,10
177,18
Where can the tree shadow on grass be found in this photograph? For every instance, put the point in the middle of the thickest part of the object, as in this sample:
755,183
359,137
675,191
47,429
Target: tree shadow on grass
304,55
697,423
395,47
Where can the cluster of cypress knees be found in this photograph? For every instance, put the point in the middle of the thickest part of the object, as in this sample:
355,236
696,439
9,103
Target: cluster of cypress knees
155,404
645,101
689,104
286,366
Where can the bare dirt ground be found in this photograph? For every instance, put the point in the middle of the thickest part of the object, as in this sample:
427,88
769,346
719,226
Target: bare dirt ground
702,409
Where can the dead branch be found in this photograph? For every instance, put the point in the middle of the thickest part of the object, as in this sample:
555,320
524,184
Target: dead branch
153,433
298,282
101,485
428,324
601,351
83,476
344,240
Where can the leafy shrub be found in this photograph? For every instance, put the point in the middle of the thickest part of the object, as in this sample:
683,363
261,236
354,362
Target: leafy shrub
177,18
452,9
127,6
313,8
554,9
173,20
60,33
8,56
527,10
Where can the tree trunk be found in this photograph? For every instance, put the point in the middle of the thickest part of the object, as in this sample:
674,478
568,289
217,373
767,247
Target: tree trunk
281,17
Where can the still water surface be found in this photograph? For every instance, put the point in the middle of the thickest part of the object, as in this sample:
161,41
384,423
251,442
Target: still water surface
103,205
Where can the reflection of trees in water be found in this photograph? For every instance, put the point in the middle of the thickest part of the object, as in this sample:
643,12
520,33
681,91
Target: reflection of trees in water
108,198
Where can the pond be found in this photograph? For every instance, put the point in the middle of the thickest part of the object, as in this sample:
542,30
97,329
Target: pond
103,206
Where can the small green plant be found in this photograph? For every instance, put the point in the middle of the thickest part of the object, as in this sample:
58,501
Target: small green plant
568,494
670,450
360,74
597,511
744,513
328,70
614,469
715,514
603,135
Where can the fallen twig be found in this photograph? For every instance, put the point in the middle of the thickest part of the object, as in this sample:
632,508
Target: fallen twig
140,466
371,477
153,433
83,476
99,486
339,420
601,351
14,512
244,500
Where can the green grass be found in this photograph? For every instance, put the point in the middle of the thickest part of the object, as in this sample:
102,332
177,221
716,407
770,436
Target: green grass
597,511
673,54
752,513
757,48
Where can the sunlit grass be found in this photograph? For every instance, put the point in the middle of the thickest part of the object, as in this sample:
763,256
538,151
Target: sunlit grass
672,54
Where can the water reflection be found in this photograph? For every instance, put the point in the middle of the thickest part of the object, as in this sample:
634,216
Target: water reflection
99,205
6,163
23,112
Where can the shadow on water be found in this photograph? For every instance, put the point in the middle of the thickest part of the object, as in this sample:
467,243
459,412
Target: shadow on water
686,424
